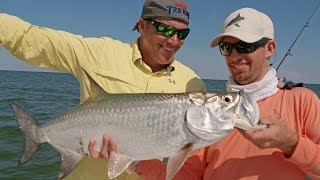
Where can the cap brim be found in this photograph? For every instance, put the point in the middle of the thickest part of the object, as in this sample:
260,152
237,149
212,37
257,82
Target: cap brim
243,36
135,27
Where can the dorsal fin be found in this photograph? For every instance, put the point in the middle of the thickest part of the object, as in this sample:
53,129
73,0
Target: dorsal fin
95,88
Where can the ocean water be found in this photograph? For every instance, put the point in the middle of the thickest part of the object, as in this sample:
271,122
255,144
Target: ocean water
43,95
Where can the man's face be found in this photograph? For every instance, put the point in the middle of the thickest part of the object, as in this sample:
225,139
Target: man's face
251,67
158,50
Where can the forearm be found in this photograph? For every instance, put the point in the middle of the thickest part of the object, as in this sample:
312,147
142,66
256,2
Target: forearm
42,47
307,156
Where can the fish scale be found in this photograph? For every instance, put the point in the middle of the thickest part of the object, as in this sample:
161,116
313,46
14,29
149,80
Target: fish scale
145,126
142,117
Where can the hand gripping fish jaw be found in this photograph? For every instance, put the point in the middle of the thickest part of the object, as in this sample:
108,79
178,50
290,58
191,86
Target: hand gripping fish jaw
220,113
146,126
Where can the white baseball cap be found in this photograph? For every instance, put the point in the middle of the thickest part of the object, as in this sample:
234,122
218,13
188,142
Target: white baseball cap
246,24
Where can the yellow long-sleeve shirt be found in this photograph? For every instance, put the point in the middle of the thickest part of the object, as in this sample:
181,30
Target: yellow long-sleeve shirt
116,66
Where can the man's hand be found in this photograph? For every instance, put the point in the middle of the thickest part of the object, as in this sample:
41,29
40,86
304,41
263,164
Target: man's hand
109,146
276,135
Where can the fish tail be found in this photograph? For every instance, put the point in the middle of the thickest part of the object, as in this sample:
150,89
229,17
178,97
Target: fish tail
28,126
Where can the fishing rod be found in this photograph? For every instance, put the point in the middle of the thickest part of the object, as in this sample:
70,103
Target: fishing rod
305,26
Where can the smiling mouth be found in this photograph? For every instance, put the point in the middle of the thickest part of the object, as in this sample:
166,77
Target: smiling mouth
240,64
240,67
167,49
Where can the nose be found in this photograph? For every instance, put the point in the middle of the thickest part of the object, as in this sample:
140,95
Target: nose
174,40
234,52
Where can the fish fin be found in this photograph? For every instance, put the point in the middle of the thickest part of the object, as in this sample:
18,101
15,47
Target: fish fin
197,98
117,163
95,89
69,160
176,162
28,126
132,167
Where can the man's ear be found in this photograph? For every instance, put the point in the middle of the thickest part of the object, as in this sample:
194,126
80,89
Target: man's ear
271,47
141,25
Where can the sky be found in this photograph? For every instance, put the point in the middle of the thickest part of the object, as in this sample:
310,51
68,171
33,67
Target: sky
115,19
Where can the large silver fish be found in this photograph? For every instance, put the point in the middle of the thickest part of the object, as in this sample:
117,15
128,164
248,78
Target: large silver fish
145,126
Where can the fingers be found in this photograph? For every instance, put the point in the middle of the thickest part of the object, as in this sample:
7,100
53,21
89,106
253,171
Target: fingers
276,134
94,153
104,153
109,146
258,138
251,135
112,145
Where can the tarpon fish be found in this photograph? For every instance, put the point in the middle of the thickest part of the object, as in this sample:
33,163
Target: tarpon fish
145,126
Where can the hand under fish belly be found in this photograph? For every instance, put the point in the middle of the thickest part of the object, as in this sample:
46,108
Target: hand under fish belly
145,126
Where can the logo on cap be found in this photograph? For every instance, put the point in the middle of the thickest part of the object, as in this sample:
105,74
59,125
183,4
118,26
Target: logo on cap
179,8
235,21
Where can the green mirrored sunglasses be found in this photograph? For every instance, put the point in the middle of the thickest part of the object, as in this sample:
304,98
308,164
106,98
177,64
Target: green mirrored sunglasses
168,31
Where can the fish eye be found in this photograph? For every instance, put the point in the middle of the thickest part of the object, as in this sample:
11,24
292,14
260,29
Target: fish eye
227,98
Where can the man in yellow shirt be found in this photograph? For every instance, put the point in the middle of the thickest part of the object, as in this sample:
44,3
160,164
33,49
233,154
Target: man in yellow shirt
147,65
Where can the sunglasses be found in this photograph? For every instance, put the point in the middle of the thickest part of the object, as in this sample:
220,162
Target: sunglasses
168,31
241,47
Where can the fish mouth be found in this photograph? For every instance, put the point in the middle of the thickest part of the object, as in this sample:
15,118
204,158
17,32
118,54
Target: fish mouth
208,133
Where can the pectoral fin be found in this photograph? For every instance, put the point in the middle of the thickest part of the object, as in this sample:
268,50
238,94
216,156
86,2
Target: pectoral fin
176,162
69,161
117,163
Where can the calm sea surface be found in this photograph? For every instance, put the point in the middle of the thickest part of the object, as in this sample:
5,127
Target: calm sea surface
43,95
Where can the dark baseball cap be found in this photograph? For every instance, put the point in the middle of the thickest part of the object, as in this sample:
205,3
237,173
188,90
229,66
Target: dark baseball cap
171,9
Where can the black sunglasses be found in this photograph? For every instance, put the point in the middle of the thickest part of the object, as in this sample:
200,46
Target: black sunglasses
241,47
168,31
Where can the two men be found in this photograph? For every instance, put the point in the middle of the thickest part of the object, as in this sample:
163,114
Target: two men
147,65
288,148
